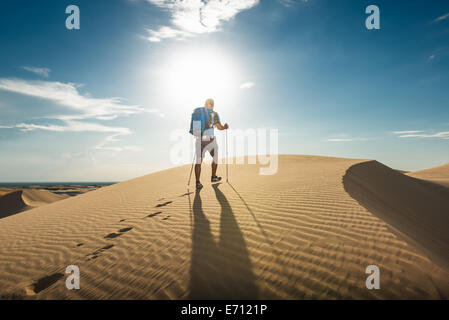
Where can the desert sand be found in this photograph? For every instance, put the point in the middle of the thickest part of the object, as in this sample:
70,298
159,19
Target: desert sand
308,232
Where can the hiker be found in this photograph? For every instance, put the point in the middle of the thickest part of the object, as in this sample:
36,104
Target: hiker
202,127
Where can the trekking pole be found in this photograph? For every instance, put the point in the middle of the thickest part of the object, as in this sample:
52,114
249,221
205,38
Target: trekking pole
191,169
227,180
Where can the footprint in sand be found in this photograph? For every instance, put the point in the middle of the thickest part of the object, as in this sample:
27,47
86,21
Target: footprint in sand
95,254
42,284
109,246
112,235
151,215
186,194
163,204
118,233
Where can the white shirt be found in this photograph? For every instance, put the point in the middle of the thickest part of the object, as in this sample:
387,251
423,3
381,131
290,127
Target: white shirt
208,133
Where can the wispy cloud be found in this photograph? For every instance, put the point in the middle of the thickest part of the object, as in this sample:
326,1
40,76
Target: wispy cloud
345,138
441,18
340,140
407,132
76,126
190,17
43,72
119,149
105,145
86,107
247,85
73,126
166,33
422,134
289,3
67,95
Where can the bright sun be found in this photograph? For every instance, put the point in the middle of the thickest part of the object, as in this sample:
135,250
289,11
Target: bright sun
191,77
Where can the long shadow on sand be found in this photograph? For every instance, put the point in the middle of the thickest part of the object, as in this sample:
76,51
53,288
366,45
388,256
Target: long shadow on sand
219,270
417,210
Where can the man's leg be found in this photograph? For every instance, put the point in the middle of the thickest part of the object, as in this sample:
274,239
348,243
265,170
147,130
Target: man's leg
214,154
198,159
214,169
197,172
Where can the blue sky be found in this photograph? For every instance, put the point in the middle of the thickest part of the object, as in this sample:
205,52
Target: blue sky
100,103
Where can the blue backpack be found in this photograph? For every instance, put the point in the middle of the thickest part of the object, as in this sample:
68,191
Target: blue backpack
201,121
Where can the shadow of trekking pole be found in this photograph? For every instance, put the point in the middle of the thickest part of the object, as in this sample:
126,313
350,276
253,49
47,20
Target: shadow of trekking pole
252,213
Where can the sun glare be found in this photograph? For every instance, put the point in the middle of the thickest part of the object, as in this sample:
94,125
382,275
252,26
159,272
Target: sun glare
191,77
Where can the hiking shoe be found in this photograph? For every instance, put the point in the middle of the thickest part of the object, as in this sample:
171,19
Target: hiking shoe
199,185
215,179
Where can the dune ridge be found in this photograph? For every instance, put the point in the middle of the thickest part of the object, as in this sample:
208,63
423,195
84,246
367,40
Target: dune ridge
26,199
307,232
439,175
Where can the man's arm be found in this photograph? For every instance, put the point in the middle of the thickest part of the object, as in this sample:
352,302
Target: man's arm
218,124
220,127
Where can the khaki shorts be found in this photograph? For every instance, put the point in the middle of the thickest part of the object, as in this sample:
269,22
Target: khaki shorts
201,146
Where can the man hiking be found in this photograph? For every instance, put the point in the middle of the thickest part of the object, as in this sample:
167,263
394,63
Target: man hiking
202,127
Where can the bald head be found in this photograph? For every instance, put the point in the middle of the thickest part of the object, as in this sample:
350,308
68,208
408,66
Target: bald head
209,103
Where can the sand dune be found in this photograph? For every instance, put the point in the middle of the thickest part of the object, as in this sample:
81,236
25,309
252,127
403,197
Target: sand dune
21,200
307,232
418,210
438,175
4,191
